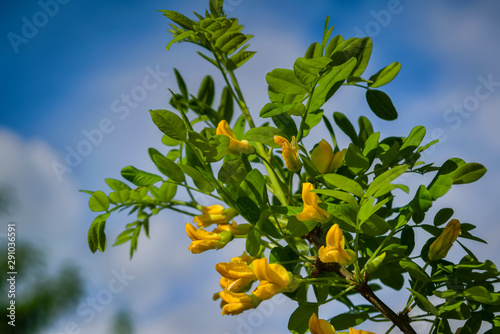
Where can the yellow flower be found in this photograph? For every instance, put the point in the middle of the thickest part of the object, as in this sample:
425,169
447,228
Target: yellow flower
235,146
320,326
358,331
234,228
290,153
243,257
235,275
323,158
273,278
311,210
215,214
334,250
440,247
235,303
204,240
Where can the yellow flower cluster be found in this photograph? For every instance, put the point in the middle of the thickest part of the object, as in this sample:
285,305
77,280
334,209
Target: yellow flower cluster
203,240
237,277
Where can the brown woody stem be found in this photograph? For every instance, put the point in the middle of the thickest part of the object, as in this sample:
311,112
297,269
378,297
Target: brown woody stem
402,321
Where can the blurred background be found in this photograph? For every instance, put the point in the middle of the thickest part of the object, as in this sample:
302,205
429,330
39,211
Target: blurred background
78,79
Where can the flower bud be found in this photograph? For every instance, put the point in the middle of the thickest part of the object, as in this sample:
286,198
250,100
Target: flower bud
290,153
236,303
440,247
203,240
214,214
373,265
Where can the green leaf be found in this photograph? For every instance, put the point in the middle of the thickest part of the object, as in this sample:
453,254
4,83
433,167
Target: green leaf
408,239
116,185
180,37
299,319
414,270
371,146
313,51
178,18
413,140
470,172
328,83
120,196
200,181
239,59
375,225
343,196
274,109
96,236
226,106
169,123
347,50
139,177
167,191
285,254
349,319
346,126
286,210
384,179
99,202
385,75
166,140
308,70
285,124
343,183
364,56
482,295
219,145
333,44
298,228
425,302
355,160
368,209
443,216
473,325
207,91
284,81
253,241
232,170
230,41
248,209
381,105
343,214
313,118
423,199
365,129
169,168
255,184
181,84
440,186
264,135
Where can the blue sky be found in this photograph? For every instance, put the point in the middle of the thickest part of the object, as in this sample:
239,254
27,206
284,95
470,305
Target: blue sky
70,76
